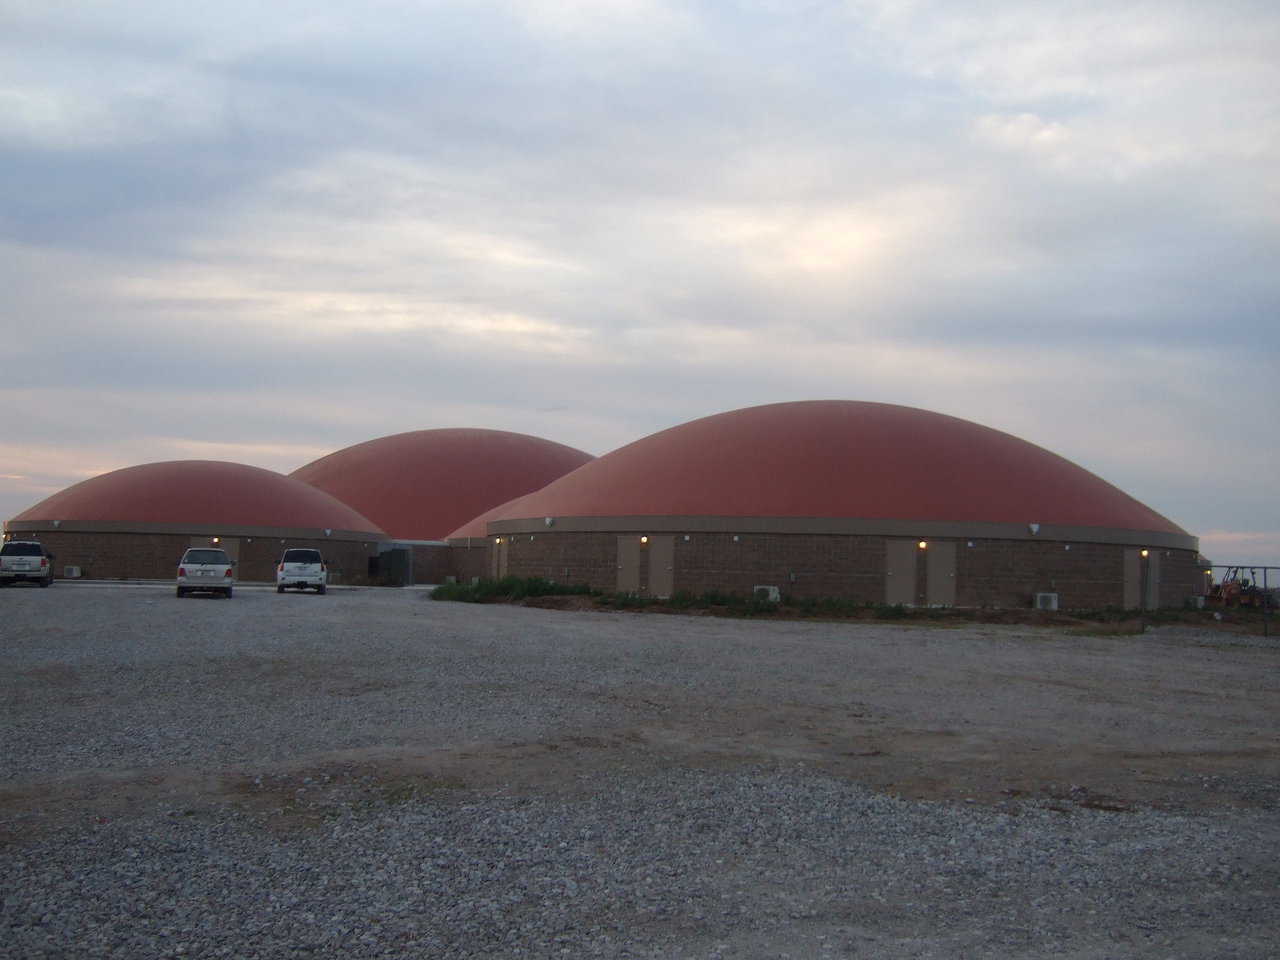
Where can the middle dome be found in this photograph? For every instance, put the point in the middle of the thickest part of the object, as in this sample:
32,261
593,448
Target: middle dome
422,484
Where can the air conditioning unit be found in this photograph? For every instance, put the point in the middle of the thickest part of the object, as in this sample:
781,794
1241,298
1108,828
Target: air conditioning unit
70,573
772,594
1046,601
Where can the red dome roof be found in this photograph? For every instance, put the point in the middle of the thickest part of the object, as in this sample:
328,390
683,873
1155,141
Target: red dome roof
198,492
840,459
422,484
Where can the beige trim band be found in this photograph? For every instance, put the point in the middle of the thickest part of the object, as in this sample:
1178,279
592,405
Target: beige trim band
848,527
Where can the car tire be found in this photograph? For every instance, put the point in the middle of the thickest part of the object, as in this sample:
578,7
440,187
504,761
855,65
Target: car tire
46,581
320,589
181,593
279,589
228,593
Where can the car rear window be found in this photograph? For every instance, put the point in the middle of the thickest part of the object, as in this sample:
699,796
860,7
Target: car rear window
22,550
301,556
206,556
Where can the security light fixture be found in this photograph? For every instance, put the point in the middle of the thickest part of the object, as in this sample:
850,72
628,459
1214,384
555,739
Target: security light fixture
923,544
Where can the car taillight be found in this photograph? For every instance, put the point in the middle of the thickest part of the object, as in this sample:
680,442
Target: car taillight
228,573
182,571
44,562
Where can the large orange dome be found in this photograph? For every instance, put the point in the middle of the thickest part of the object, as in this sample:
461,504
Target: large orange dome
844,460
422,484
187,493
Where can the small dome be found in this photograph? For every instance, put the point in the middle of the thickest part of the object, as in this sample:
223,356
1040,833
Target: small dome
839,459
197,492
422,484
479,526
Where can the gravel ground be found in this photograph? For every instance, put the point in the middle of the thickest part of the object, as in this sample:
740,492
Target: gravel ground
371,774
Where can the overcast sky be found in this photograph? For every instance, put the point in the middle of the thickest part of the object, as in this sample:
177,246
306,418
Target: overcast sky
263,232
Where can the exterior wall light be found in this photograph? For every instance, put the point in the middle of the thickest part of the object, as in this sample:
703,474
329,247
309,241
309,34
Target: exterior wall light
644,539
497,539
548,521
1146,553
923,544
216,540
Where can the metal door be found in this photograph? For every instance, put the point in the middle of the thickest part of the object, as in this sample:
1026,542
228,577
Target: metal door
628,564
940,574
498,559
1132,579
1152,585
900,572
662,566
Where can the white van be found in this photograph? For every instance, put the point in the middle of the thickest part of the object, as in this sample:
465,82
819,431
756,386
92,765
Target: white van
205,570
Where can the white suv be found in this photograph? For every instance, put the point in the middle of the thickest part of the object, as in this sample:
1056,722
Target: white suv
301,568
25,560
205,570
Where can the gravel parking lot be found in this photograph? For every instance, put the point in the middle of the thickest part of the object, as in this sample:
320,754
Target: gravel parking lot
373,774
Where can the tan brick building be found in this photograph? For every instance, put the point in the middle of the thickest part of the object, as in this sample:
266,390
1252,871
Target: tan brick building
874,502
135,523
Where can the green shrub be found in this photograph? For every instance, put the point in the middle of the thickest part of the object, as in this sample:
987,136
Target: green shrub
506,589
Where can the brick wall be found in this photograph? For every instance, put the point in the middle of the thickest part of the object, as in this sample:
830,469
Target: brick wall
155,556
432,563
470,560
990,573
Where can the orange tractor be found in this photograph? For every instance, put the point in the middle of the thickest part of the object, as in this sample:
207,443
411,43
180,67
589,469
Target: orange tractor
1237,590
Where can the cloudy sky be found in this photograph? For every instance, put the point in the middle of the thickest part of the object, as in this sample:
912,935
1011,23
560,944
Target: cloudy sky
262,232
